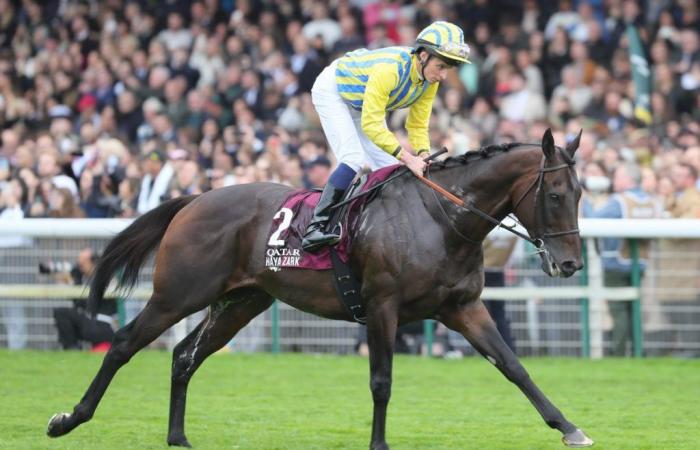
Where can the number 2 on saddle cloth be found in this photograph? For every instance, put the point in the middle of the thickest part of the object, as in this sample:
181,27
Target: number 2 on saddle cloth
283,250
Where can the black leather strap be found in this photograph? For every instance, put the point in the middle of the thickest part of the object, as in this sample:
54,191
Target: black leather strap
348,288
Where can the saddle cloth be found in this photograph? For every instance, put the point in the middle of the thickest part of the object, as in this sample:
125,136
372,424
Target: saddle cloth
283,249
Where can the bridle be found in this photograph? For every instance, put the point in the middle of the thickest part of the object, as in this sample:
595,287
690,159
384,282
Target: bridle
568,164
538,240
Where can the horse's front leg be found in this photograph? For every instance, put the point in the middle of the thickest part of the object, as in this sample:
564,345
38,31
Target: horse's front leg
474,323
381,336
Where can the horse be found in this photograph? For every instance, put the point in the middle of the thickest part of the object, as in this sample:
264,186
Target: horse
417,255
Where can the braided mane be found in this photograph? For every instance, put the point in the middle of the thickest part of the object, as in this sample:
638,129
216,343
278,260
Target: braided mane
482,153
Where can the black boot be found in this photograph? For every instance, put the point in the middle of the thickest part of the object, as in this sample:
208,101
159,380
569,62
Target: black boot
316,235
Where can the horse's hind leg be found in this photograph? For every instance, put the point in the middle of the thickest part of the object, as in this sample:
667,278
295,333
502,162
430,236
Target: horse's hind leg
224,319
155,318
475,324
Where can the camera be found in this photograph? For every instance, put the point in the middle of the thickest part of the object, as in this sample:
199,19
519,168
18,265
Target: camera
48,267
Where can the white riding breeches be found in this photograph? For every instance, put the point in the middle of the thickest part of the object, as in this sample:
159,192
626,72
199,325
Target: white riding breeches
342,126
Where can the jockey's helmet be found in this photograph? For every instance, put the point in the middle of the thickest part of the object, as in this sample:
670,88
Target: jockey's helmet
444,40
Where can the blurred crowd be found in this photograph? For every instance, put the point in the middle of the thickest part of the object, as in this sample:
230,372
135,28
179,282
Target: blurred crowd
108,108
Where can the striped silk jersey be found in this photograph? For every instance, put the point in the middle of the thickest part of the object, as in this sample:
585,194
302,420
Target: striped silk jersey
386,79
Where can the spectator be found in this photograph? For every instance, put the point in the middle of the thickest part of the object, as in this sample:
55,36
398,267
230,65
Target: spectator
73,324
175,36
186,181
596,183
62,205
318,171
97,193
9,143
13,312
349,39
522,104
688,53
207,61
322,25
555,57
565,19
87,107
163,128
595,110
252,95
129,115
303,63
382,15
292,172
628,201
128,197
572,88
154,187
8,23
151,108
686,201
532,73
613,118
48,169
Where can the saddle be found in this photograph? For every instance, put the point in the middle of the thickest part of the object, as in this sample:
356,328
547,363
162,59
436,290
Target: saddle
283,250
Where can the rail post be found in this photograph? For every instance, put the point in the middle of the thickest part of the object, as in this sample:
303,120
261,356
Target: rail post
121,311
275,326
428,334
637,337
585,306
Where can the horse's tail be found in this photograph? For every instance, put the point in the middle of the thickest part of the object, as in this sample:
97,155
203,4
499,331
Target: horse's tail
130,248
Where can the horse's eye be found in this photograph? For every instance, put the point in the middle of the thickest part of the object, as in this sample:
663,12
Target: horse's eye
554,197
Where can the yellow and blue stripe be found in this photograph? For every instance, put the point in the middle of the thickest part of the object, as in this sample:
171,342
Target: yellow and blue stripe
441,32
353,71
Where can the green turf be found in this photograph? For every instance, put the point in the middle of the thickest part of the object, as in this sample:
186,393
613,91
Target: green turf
294,401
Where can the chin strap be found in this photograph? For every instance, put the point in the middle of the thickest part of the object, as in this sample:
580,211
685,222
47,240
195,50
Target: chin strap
423,63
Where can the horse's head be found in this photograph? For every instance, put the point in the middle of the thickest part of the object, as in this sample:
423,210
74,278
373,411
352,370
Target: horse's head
547,205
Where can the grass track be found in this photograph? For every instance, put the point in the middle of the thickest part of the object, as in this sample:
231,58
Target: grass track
295,401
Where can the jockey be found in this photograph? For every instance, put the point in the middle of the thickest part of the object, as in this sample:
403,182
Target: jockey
352,96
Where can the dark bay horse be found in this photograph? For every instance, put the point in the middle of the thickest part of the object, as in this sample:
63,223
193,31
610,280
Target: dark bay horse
418,257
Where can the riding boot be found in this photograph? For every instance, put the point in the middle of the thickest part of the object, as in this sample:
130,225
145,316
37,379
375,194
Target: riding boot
316,234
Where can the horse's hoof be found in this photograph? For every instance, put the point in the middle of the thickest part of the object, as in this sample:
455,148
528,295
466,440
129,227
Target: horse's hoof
55,427
179,442
381,446
577,439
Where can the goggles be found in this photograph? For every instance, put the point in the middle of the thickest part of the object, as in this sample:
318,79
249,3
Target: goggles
459,51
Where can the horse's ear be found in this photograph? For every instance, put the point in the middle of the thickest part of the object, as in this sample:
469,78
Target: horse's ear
573,145
548,144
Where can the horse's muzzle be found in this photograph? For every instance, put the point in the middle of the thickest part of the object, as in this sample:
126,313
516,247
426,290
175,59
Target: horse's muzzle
569,268
555,270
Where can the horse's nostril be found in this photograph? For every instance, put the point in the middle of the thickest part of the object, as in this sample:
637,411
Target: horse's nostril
571,266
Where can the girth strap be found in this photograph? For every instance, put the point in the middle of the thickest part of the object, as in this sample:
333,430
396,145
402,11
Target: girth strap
348,288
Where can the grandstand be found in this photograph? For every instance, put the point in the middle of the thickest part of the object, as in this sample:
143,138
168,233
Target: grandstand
108,108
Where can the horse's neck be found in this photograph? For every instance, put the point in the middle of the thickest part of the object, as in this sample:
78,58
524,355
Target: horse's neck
485,184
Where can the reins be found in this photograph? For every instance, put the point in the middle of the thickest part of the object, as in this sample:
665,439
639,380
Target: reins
537,182
474,210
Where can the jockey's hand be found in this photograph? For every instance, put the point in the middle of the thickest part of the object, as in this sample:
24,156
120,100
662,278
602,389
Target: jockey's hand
414,163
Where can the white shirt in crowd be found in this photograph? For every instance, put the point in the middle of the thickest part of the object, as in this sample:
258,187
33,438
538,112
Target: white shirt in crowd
153,190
